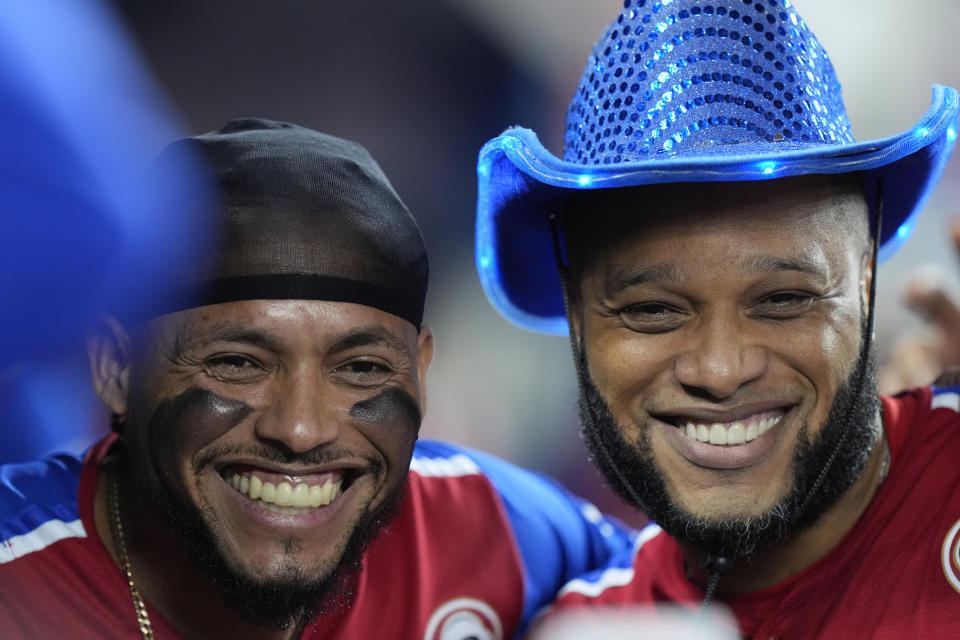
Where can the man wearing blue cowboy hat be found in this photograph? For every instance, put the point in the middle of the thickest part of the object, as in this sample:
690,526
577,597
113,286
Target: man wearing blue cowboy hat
716,229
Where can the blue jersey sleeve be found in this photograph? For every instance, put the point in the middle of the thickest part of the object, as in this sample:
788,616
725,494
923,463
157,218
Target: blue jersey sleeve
559,535
38,504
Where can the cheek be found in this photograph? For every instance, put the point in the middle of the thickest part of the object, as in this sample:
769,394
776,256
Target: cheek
625,366
391,420
184,424
824,350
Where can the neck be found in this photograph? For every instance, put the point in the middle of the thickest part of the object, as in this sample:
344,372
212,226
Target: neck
164,575
771,566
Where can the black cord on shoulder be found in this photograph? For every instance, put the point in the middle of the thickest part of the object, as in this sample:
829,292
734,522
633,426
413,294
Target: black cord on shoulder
712,583
716,566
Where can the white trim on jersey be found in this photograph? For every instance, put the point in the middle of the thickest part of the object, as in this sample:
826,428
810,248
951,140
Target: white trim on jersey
946,400
614,576
43,536
592,514
455,465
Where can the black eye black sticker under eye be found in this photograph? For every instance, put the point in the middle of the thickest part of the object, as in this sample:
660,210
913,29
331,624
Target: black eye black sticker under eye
190,420
390,407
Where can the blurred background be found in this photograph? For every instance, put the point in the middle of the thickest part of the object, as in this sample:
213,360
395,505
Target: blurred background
423,84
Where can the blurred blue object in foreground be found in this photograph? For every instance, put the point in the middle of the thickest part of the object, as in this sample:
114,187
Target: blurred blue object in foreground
82,230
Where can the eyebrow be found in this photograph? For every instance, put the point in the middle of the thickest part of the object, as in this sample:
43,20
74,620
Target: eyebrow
621,280
225,332
758,265
370,335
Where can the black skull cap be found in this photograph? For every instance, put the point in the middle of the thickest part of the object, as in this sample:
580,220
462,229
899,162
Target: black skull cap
306,215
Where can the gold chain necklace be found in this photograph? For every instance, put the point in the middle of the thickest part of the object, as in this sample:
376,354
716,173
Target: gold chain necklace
119,542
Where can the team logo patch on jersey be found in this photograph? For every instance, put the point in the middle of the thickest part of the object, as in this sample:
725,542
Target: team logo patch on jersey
950,558
464,619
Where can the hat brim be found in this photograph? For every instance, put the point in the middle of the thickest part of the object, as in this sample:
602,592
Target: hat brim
521,183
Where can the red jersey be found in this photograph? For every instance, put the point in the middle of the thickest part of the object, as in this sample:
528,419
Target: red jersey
478,547
896,573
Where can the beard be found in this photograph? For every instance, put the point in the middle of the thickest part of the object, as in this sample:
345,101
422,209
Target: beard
823,468
293,597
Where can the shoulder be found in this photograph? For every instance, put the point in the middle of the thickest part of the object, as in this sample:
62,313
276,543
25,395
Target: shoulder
945,397
526,495
38,504
556,535
521,494
432,459
918,402
631,577
924,409
608,583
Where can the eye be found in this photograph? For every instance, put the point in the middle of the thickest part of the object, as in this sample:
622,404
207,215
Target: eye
651,317
784,305
364,372
233,367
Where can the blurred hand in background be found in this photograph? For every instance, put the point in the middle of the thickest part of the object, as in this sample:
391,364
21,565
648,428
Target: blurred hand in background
920,357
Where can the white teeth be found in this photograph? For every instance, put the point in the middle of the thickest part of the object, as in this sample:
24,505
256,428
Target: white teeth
703,433
285,497
316,495
730,433
736,434
269,492
284,510
326,492
301,496
718,435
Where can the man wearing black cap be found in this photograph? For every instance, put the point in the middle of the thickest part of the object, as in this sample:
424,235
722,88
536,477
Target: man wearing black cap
263,437
716,230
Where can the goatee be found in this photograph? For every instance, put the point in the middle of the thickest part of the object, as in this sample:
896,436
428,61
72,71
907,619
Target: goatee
289,599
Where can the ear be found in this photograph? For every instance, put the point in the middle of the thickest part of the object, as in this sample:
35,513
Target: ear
110,352
424,358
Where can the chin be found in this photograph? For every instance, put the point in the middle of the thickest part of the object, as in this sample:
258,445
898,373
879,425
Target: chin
726,510
722,498
279,565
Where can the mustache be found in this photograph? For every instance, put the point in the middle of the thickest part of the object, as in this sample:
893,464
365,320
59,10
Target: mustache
317,456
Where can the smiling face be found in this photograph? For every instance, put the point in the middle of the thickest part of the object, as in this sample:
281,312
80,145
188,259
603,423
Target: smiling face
722,339
277,436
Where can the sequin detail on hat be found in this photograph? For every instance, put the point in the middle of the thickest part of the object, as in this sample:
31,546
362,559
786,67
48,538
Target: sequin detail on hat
673,75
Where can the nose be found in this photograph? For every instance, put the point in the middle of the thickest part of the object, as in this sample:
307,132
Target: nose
719,358
299,419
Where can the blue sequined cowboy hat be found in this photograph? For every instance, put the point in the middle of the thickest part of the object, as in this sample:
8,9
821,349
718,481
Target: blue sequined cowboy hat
690,91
